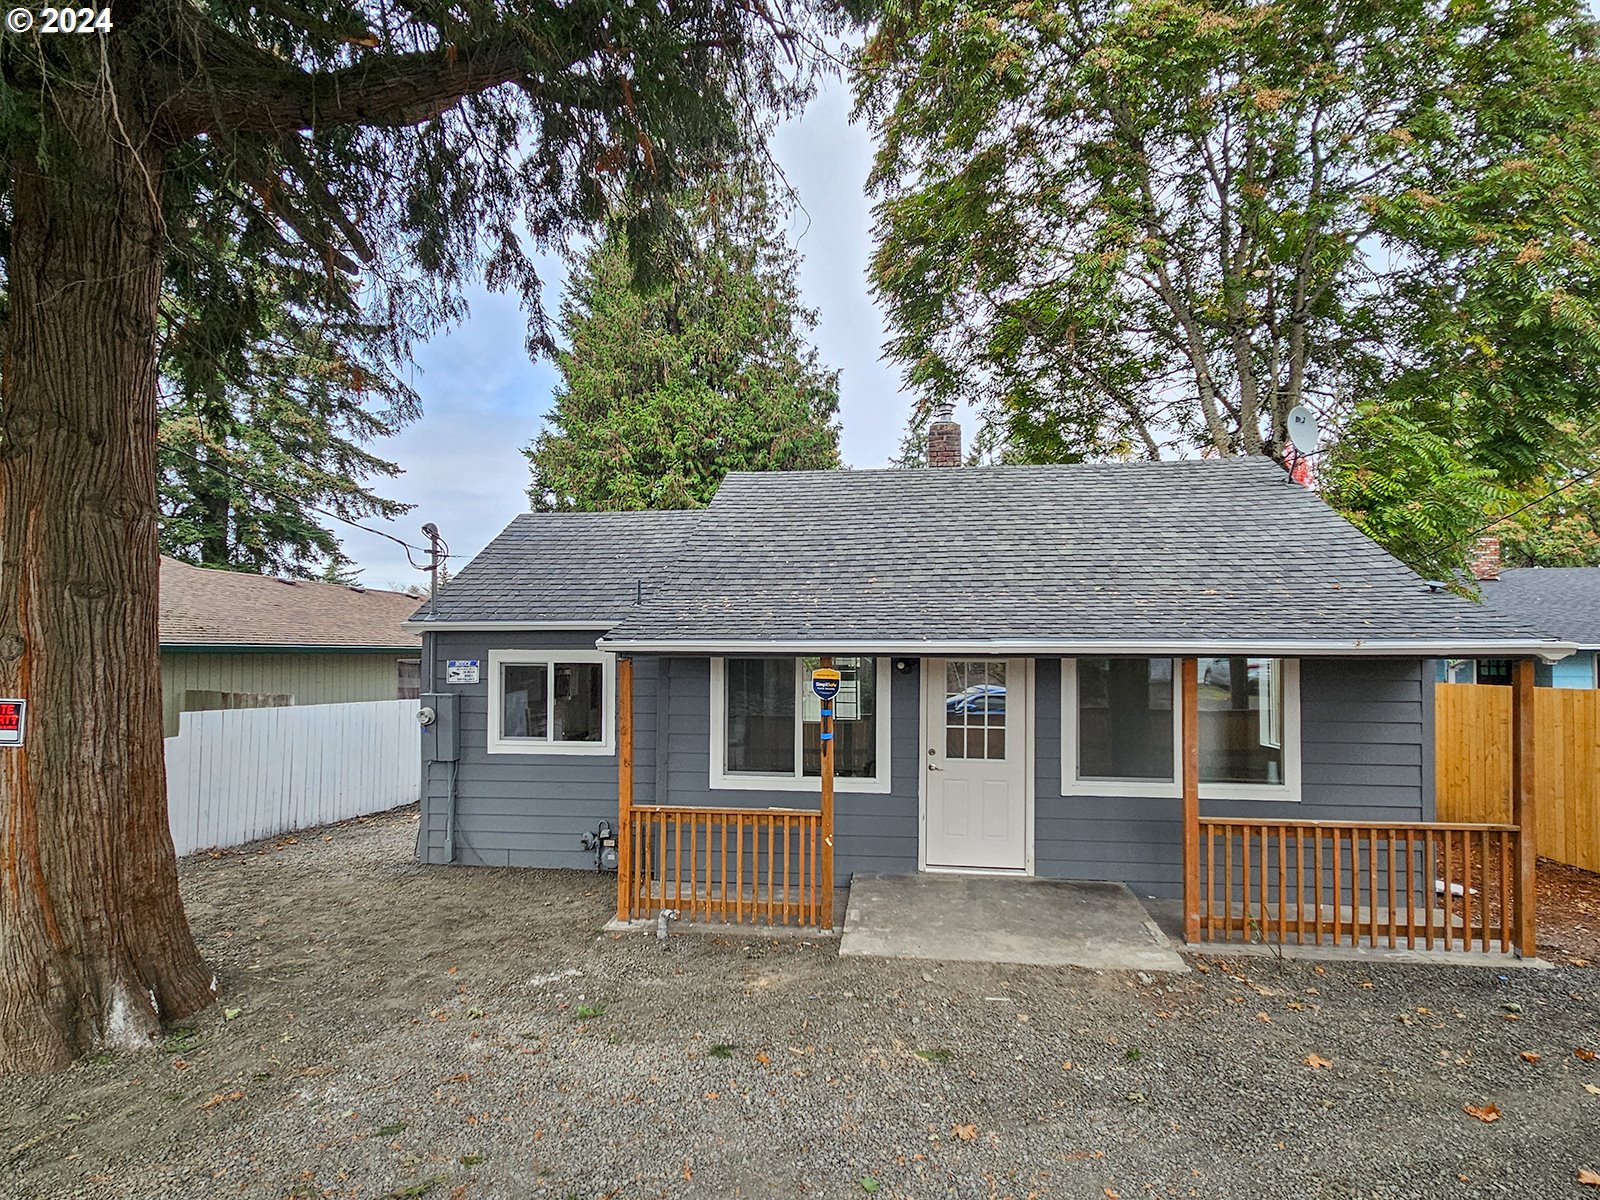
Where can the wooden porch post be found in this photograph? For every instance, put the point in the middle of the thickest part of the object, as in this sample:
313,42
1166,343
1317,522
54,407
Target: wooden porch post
1190,699
1522,803
826,881
625,880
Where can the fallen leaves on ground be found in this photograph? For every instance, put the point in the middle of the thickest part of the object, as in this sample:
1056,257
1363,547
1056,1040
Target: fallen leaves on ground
1111,1193
1487,1113
222,1098
1530,1056
1585,1054
1592,1089
1317,1062
1588,1178
965,1132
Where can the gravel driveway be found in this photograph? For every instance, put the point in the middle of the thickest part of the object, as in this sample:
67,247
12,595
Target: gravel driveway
395,1031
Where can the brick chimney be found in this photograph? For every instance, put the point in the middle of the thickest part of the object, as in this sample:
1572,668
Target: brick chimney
1485,560
944,437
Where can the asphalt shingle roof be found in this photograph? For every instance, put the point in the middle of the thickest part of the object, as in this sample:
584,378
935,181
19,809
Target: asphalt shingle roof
566,568
1564,600
201,606
1221,550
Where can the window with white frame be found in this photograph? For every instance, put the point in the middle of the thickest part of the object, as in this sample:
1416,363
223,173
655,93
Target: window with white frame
551,702
1122,727
766,724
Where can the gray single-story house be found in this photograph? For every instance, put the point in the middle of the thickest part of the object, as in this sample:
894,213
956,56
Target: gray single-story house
1563,601
1043,665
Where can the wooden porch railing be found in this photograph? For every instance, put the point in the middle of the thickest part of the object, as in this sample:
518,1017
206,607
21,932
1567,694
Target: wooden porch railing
1400,885
736,865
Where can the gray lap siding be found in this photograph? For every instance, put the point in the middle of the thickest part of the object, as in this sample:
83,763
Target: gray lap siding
1366,730
525,810
1366,743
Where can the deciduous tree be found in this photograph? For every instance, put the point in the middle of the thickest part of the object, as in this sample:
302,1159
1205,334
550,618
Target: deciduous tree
1144,227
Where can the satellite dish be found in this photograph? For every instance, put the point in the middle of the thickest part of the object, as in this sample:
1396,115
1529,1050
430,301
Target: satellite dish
1303,430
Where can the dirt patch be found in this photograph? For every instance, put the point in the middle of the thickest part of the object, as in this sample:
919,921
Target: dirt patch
1569,914
390,1030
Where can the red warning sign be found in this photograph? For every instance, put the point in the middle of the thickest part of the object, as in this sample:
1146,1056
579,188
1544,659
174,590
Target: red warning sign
13,717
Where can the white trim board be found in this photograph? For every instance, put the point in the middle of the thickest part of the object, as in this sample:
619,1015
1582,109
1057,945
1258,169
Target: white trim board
1550,651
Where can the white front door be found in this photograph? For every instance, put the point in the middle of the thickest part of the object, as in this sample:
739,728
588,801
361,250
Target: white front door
974,757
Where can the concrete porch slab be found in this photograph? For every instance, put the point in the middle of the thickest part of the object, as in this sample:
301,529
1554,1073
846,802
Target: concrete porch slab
989,918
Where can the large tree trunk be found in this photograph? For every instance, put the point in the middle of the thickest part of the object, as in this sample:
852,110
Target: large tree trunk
95,950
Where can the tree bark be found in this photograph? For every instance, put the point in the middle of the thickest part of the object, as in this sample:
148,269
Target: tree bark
95,950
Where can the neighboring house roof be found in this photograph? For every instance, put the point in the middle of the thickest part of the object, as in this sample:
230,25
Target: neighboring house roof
564,569
1564,600
1163,557
201,606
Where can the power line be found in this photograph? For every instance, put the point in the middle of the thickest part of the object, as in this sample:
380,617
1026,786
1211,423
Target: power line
260,487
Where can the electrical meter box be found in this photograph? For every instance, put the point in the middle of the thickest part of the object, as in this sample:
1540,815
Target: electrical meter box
440,736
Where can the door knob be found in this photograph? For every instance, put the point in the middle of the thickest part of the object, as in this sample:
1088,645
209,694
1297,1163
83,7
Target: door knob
935,767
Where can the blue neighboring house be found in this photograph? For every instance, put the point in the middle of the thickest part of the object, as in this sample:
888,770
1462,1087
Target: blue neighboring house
1561,601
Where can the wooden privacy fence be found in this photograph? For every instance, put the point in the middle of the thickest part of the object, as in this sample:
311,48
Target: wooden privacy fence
729,864
235,775
1473,764
1410,886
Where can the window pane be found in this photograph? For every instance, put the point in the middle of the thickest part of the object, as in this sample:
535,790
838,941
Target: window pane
522,712
761,715
1241,720
578,704
855,719
1125,718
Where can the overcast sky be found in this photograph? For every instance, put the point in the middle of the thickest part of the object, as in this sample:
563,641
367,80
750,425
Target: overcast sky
483,400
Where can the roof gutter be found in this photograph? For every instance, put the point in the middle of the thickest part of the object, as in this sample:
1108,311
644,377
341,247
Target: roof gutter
1549,651
282,648
505,626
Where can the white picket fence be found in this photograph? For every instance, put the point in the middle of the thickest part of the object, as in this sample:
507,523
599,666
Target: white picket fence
235,775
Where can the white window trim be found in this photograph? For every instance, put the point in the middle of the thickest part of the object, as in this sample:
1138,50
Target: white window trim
1288,790
723,780
498,744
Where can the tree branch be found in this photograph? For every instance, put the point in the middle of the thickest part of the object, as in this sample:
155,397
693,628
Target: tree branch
383,90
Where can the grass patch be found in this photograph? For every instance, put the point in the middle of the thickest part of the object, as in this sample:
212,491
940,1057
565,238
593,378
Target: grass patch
937,1056
723,1050
181,1039
391,1129
588,1012
471,1160
421,1188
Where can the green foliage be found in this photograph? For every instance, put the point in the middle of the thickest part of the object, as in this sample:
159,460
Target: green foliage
1146,227
330,175
665,391
255,427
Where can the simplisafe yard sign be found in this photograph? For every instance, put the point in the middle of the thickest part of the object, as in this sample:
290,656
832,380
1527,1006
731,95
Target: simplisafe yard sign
13,721
461,670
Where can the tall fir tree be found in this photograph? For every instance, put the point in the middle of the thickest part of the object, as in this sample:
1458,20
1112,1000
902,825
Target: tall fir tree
665,391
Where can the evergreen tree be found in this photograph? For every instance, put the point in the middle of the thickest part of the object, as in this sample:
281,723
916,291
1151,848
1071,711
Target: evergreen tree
373,157
665,391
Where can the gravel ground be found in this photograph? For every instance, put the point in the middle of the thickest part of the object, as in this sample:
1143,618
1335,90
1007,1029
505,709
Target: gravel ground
395,1031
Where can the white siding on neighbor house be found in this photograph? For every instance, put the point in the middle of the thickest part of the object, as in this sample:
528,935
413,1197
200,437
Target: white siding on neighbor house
235,775
334,678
